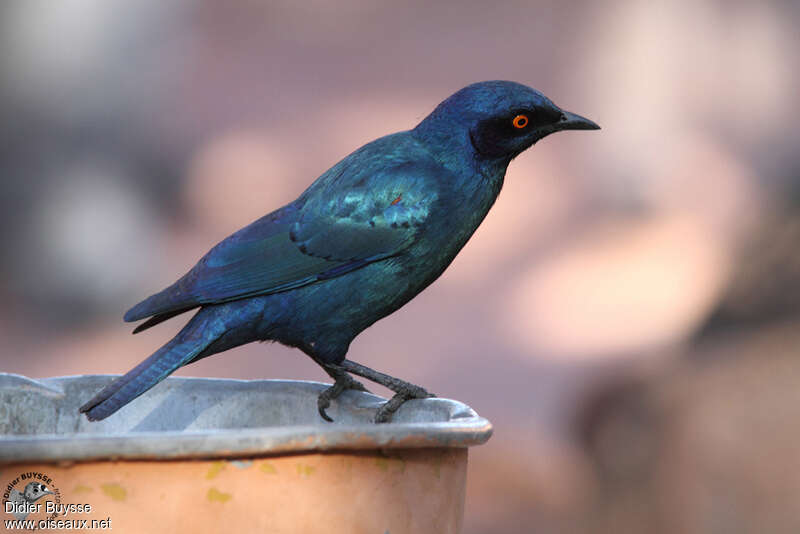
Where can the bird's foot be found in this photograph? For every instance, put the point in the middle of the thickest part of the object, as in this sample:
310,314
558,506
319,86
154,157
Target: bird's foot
403,390
343,381
386,411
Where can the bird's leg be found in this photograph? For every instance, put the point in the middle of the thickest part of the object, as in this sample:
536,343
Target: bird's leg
403,390
342,382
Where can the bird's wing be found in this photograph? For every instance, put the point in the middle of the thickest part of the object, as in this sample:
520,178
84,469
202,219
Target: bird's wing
16,496
345,225
370,218
259,258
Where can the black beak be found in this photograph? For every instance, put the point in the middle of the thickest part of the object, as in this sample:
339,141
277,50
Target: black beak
571,121
568,121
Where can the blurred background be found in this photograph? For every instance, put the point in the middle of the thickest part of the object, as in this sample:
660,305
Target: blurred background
628,315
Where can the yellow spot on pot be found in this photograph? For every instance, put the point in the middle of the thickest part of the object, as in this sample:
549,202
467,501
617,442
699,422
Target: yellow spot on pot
214,470
115,491
305,470
268,468
395,464
215,495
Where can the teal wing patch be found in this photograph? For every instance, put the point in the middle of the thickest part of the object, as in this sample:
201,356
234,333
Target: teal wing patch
375,218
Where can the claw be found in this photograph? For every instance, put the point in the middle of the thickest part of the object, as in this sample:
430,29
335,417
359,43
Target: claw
322,405
387,410
343,382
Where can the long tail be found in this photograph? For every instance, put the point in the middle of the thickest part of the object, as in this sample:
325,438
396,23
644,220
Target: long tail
196,336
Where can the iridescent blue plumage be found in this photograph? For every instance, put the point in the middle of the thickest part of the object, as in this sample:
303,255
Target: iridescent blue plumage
366,237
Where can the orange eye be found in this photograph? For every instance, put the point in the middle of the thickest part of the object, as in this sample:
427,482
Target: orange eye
520,121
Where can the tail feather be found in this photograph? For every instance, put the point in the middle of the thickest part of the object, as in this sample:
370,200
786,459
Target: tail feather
179,351
158,319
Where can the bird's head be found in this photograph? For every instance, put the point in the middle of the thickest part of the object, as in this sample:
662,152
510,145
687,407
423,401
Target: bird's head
35,491
501,119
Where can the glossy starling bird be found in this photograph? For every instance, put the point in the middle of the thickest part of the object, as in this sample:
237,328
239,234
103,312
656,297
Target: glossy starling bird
365,238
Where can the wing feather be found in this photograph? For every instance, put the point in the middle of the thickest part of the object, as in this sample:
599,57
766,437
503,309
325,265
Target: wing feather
347,219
